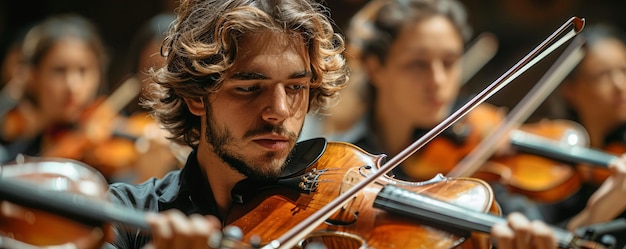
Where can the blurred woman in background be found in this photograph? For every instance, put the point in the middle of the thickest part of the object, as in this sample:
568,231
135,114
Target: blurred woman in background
64,67
595,96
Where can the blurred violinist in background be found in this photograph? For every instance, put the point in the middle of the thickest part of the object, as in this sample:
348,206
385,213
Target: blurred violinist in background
61,114
63,71
595,96
408,56
151,154
409,53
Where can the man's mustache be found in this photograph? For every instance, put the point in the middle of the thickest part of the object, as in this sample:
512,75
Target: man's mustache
268,128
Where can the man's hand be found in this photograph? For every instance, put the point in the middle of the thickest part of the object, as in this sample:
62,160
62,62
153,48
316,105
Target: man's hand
172,229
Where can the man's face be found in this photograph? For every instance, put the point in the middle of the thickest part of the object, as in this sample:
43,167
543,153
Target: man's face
254,120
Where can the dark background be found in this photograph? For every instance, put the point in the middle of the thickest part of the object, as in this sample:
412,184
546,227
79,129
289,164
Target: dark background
519,25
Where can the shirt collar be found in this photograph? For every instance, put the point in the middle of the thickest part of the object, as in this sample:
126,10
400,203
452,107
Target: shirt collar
193,187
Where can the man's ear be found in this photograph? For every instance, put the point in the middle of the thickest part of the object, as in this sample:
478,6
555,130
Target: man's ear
196,106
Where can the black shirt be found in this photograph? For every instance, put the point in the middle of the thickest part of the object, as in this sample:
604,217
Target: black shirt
186,190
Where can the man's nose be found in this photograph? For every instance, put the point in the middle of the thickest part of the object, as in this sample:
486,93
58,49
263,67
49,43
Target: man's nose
277,108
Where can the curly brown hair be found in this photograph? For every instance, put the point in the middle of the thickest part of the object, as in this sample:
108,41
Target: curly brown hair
202,43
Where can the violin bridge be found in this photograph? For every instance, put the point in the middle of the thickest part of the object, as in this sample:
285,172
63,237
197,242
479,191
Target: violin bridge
351,178
347,215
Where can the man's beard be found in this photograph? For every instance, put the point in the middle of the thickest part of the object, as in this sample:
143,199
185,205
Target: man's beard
221,138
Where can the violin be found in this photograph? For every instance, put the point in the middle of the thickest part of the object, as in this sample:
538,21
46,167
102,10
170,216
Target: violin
530,172
274,209
58,203
117,154
536,169
443,153
591,163
370,220
23,226
540,178
562,141
596,175
94,140
120,147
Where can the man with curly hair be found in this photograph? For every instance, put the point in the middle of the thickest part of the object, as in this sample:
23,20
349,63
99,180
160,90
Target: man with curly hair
239,79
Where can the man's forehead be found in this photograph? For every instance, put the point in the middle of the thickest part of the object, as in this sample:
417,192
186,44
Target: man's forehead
258,42
274,45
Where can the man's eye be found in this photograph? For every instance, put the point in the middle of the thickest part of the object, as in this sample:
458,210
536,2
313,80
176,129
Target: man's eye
299,87
247,89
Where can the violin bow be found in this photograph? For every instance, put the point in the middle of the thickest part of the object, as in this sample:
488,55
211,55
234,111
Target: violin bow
291,237
123,94
531,101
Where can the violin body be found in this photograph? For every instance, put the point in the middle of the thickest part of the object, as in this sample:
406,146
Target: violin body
102,138
20,226
539,177
596,175
91,141
119,148
442,154
118,154
274,210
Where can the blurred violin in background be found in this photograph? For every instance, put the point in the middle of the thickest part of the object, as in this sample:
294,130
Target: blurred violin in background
443,153
596,175
93,140
536,168
116,145
546,161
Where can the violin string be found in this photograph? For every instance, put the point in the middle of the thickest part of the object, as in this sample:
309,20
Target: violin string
291,237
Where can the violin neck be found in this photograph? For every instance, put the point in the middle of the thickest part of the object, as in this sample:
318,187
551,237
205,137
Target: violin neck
452,218
76,207
538,145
